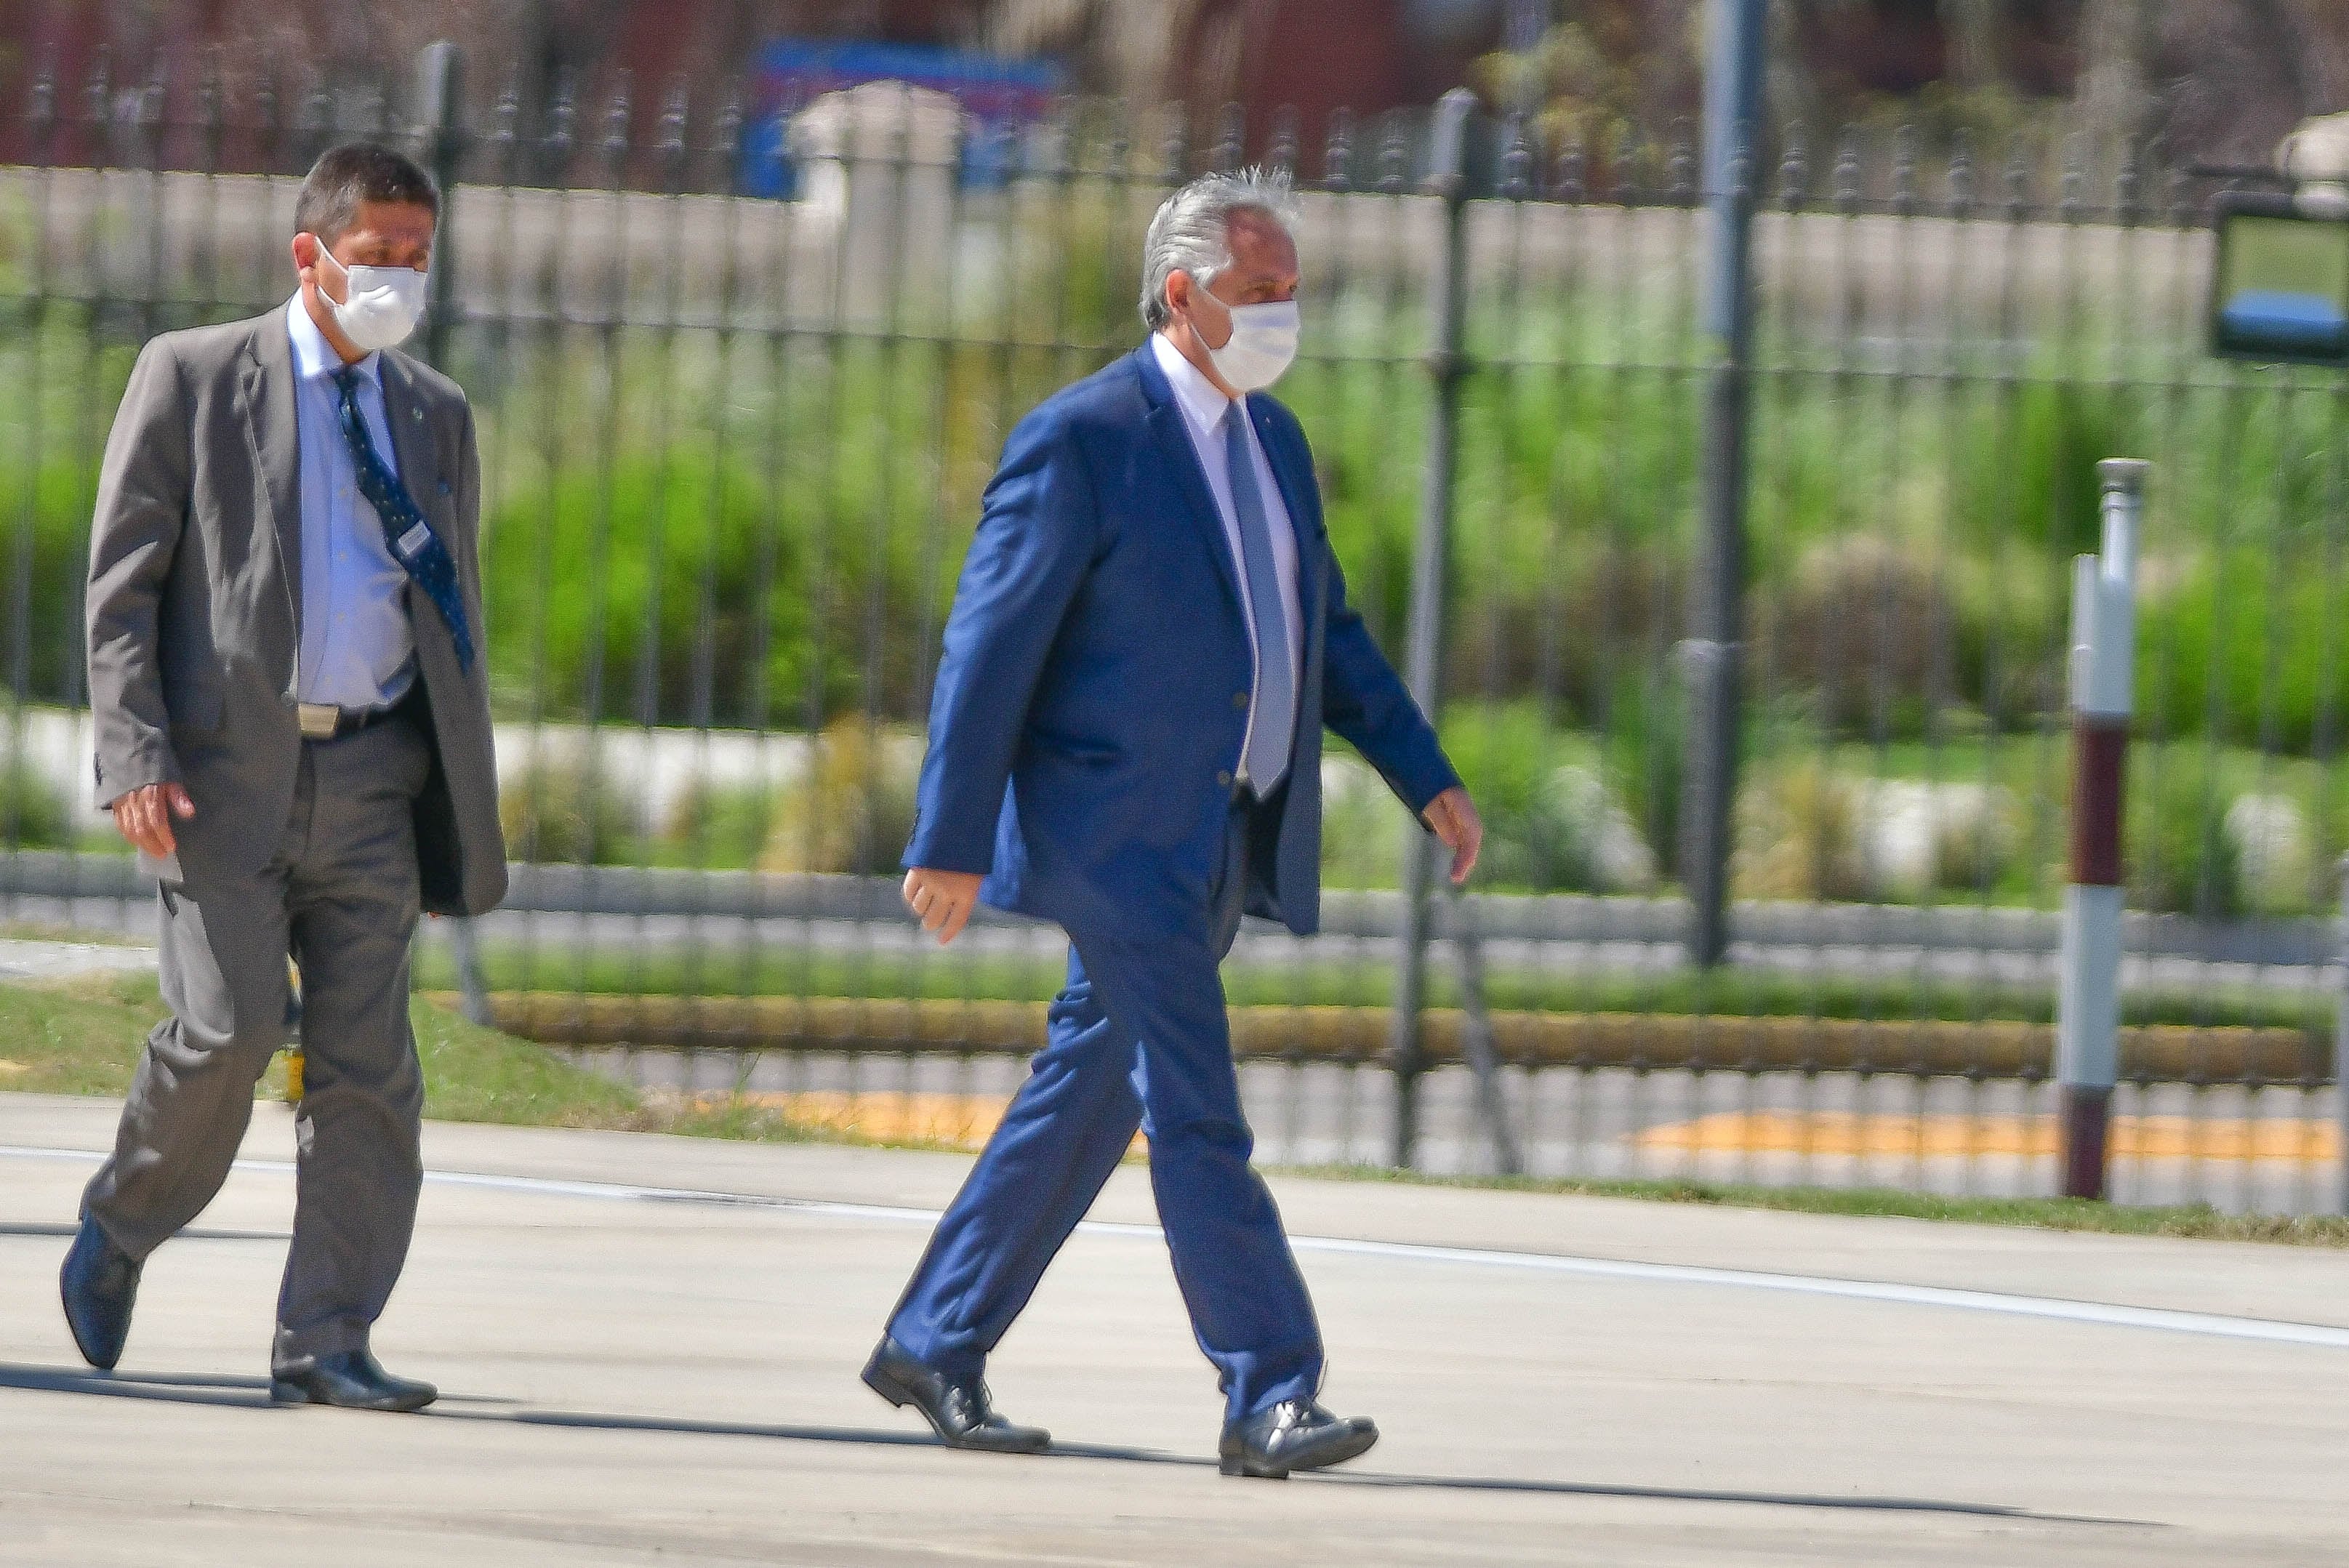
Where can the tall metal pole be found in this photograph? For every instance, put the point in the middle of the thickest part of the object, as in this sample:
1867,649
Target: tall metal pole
1713,653
440,138
2087,994
440,141
1431,561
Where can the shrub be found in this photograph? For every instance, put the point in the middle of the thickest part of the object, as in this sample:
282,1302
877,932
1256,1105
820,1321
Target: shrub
1799,834
1647,755
722,826
853,810
1551,824
32,815
561,811
1860,630
1921,836
2179,859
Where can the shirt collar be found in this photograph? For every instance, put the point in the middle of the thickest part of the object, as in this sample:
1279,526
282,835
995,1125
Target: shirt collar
1200,397
315,359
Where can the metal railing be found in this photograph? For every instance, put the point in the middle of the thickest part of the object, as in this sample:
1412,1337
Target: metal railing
732,447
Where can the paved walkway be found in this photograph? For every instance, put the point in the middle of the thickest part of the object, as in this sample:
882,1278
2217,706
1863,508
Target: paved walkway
649,1345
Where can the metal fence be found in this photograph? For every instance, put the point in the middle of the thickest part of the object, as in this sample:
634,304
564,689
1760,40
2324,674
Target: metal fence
733,447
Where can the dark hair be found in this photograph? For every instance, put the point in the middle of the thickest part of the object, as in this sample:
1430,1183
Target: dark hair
353,172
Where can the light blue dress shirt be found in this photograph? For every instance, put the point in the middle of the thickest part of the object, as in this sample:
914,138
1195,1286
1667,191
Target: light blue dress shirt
357,649
1204,408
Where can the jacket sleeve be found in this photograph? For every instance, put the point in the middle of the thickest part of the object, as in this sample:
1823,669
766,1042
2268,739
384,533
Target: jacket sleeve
143,486
1365,701
1034,543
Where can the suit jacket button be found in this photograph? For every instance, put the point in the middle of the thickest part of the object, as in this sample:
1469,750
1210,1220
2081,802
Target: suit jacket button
1223,778
1239,700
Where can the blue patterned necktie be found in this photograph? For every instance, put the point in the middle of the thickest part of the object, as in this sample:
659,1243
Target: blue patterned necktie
409,537
1270,727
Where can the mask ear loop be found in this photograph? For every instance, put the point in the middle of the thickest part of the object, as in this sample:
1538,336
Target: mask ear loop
1197,288
326,255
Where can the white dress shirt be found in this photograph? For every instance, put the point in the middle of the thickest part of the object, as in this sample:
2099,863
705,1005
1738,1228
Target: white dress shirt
357,649
1204,408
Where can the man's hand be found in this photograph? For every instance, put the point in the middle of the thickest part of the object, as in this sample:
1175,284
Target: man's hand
144,817
1452,817
942,899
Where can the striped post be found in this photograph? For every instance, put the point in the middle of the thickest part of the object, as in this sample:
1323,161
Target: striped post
2341,1039
2087,1004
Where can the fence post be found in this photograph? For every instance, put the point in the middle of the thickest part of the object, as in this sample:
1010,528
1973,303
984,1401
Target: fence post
2087,999
1476,1039
1447,180
2341,1042
1713,653
440,136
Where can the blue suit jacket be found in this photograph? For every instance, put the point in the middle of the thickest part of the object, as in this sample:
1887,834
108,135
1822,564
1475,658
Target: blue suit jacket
1093,698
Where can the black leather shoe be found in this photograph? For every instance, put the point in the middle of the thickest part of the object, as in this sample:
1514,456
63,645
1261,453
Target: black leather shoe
351,1381
958,1410
99,1282
1294,1435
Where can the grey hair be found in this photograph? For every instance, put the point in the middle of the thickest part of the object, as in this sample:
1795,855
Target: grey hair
1191,231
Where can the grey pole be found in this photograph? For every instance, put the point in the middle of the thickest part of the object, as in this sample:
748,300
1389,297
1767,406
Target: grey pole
1476,1039
2088,995
1431,556
441,137
440,141
1713,652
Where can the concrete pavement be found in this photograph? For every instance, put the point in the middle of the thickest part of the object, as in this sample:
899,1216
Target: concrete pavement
648,1348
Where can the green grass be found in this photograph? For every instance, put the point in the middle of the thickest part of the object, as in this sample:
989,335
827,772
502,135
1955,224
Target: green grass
2196,1222
43,931
83,1037
1369,983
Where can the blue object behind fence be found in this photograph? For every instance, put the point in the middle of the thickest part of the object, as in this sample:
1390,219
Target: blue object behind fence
1001,97
2289,324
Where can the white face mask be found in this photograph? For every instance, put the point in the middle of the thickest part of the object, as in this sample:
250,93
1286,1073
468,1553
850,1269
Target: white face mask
1262,345
382,304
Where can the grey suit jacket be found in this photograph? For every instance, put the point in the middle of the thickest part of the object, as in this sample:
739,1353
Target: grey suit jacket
195,604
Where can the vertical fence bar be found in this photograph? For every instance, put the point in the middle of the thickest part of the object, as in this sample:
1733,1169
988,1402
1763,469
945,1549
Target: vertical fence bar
1732,119
2087,1003
440,129
1447,181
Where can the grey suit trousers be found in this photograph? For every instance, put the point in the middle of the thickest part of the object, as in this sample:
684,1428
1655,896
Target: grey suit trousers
341,895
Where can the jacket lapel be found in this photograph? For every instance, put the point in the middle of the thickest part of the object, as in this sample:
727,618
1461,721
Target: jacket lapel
417,457
267,394
412,447
1174,436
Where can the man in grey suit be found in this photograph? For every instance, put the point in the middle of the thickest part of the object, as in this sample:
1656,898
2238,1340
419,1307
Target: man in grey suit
293,727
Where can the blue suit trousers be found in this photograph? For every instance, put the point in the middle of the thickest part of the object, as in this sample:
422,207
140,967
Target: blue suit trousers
1138,1037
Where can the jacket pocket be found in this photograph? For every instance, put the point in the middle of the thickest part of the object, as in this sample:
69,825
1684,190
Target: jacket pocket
1084,750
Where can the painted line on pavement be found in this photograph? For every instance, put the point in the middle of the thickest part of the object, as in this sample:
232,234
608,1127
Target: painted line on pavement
2208,1325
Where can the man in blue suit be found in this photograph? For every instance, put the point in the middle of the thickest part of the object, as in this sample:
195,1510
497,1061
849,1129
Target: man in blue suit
1149,633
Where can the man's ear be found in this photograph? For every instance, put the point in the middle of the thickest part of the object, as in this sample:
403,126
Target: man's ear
305,251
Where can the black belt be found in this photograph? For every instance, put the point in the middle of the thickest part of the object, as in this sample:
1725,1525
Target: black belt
325,721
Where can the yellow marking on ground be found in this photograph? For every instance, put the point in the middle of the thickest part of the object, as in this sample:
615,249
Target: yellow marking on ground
888,1116
2133,1137
962,1120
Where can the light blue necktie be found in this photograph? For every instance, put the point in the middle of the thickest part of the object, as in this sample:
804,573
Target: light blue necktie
1275,717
